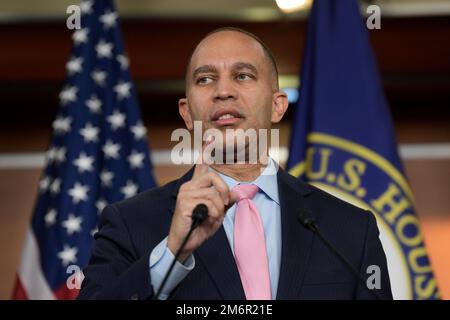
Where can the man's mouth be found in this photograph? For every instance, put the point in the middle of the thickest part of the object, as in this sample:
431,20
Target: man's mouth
226,117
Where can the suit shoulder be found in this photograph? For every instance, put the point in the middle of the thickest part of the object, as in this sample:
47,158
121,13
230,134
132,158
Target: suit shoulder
151,201
331,205
317,196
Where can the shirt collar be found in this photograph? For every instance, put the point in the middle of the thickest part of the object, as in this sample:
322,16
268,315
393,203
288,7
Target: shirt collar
266,181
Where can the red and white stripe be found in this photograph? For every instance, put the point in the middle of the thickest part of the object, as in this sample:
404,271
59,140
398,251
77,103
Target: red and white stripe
31,283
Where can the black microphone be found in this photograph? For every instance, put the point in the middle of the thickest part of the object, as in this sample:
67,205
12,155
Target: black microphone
199,214
305,218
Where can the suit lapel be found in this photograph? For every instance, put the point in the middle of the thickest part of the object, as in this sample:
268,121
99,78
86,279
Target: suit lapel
296,240
216,257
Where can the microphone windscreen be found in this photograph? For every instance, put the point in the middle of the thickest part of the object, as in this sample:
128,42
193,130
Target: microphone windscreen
200,213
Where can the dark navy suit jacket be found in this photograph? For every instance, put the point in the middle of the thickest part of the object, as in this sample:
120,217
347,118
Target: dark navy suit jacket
129,230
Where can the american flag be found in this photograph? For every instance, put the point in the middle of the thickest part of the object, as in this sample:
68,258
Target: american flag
98,155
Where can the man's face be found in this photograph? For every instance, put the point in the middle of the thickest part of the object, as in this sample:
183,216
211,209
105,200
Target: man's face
230,85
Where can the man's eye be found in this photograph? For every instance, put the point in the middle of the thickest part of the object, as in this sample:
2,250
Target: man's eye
243,76
204,80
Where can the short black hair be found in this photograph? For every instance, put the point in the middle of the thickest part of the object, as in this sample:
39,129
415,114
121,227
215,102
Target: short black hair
265,48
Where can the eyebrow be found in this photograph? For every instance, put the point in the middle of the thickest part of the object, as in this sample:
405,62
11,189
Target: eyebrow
245,65
204,69
237,66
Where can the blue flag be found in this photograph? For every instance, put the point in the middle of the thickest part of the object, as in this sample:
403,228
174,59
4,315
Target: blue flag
98,155
343,140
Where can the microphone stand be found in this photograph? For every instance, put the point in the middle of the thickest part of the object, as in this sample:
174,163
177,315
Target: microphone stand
199,214
304,217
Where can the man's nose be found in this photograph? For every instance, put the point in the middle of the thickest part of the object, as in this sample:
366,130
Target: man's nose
225,90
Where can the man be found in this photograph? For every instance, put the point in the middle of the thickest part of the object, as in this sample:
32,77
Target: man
251,246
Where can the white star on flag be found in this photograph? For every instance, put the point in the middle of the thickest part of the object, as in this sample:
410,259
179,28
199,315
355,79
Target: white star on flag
55,187
89,133
117,120
74,65
68,255
94,104
135,159
50,217
44,184
123,60
122,89
129,190
139,131
62,125
111,150
86,7
80,36
72,224
104,49
60,155
106,177
84,163
51,154
68,94
108,19
99,77
100,204
78,192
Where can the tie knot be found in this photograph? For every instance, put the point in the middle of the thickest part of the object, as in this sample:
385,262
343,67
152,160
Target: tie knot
245,191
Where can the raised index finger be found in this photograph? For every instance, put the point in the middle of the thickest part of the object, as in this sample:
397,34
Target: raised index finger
201,167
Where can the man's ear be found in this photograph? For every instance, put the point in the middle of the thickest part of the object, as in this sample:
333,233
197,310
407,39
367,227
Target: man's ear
280,104
183,109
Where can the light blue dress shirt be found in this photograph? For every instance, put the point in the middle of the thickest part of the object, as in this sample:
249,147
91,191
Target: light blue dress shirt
268,204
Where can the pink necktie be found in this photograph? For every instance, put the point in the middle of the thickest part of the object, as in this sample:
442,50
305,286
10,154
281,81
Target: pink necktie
250,245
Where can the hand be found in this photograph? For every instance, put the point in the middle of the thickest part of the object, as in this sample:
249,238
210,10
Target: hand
204,187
